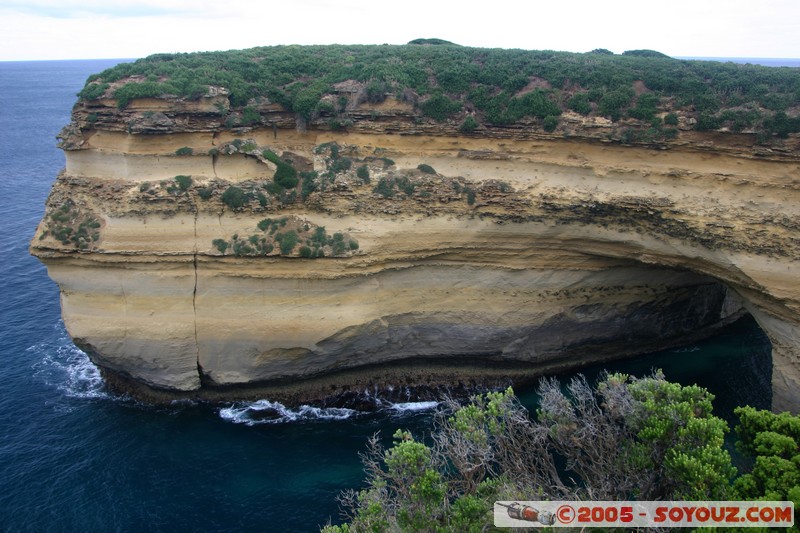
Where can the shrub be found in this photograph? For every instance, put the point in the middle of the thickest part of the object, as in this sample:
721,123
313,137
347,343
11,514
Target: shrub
241,248
405,185
626,438
646,107
221,245
341,164
93,91
299,78
305,251
131,91
285,175
427,169
287,241
470,196
612,102
538,103
550,123
439,107
469,124
645,53
771,441
205,193
338,244
671,119
338,124
250,116
670,133
185,150
708,122
782,125
184,182
309,184
385,187
273,188
376,91
580,103
363,173
234,197
305,101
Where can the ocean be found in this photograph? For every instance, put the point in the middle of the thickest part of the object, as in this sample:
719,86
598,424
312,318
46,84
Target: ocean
74,457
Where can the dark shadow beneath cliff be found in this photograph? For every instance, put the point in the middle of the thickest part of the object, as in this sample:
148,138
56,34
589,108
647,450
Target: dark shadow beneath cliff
368,388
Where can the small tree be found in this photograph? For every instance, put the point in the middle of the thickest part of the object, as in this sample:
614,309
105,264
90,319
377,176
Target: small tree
625,439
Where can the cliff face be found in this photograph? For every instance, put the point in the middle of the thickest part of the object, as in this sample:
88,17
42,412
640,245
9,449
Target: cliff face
192,256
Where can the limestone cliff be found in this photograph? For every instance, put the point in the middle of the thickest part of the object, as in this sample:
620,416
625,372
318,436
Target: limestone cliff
197,257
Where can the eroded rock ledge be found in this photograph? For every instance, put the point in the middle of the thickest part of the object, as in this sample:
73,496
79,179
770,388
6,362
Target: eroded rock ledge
195,260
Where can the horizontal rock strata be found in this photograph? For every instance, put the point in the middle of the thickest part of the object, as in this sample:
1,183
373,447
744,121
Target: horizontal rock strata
412,241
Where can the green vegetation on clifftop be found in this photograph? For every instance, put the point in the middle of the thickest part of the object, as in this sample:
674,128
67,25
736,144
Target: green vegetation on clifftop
500,87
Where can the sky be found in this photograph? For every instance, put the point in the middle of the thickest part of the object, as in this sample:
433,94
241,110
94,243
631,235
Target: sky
99,29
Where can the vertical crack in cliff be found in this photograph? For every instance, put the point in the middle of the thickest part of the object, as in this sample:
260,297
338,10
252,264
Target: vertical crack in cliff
194,294
213,169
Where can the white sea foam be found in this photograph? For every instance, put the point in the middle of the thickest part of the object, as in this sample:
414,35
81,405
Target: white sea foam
62,365
267,412
414,406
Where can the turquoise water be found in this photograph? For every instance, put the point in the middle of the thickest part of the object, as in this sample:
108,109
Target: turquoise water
75,458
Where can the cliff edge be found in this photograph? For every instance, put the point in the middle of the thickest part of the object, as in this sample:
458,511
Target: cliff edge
225,243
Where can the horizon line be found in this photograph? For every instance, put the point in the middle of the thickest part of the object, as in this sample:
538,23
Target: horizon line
711,58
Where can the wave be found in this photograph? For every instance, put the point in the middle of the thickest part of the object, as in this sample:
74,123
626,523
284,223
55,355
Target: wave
63,365
268,412
413,407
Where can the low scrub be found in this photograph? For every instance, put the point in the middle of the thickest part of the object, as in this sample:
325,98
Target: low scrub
624,439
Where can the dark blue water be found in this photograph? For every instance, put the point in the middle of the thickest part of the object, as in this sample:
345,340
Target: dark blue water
73,458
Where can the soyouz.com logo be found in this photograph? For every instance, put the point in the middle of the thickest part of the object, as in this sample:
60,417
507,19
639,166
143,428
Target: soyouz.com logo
643,514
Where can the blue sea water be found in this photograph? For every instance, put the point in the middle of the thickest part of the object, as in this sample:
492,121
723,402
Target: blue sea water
76,458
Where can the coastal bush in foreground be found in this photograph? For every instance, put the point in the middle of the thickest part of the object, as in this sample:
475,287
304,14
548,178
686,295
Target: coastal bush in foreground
625,439
772,441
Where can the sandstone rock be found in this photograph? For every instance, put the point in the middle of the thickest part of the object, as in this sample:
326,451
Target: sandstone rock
522,252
